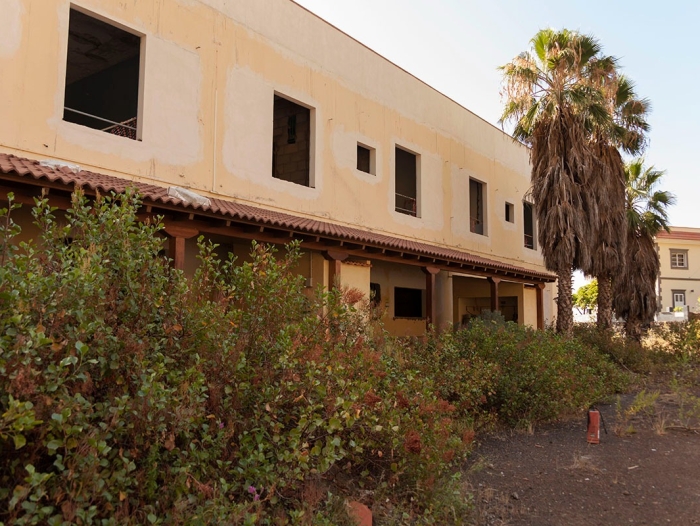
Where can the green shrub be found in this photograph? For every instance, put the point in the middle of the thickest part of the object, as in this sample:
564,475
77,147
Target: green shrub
680,339
627,353
129,394
542,374
464,379
515,373
132,395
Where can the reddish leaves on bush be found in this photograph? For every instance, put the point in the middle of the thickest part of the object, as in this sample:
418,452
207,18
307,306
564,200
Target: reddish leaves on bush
448,455
468,437
370,398
412,442
352,296
445,407
402,401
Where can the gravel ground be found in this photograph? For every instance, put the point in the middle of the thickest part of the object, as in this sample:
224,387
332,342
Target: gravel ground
647,474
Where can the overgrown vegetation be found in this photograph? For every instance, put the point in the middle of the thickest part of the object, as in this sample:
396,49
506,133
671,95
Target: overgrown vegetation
132,395
516,374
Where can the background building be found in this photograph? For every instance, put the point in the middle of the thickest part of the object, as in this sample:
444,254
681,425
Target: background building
679,279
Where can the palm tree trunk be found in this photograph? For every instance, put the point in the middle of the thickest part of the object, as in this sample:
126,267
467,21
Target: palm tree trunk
565,313
633,328
605,310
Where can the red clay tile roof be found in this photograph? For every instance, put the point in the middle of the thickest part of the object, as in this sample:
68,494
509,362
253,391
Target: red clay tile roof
679,234
10,164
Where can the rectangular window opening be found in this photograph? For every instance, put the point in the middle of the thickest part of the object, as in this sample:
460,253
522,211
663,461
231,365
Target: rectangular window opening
366,159
406,182
375,294
529,225
678,298
679,259
508,306
408,303
102,76
510,212
291,142
476,207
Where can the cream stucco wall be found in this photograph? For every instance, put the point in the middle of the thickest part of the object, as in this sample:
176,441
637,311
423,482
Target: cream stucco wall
356,275
686,240
210,71
529,307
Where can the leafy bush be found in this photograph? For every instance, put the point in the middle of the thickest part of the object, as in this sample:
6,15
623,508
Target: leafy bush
462,378
132,395
518,374
626,352
679,339
129,394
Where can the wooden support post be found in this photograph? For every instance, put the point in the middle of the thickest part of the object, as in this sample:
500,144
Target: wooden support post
335,260
495,307
430,299
540,305
178,234
176,251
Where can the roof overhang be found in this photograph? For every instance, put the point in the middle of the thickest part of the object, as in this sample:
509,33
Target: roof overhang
28,179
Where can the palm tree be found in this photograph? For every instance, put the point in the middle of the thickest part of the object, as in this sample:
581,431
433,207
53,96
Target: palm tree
625,132
635,286
553,94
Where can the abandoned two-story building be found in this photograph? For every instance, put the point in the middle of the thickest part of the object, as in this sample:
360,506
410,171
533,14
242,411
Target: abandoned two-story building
255,119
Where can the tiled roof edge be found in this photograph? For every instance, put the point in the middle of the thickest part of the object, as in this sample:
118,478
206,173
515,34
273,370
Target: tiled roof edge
57,172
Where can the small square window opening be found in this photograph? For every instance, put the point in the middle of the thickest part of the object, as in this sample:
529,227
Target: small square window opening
510,212
408,303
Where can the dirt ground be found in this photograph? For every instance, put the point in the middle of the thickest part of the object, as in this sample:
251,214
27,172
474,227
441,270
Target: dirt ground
646,470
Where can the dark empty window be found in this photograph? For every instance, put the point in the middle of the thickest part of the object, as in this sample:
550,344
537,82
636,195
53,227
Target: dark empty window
510,213
365,159
408,303
375,294
291,142
508,307
406,182
476,207
529,224
102,76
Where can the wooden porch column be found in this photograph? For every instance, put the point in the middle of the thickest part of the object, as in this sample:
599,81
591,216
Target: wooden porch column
335,259
430,299
176,242
495,307
539,288
176,251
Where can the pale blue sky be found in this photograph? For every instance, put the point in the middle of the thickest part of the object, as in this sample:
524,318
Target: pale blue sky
456,46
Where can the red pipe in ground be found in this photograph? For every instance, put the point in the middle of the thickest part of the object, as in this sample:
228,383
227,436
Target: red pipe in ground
593,434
